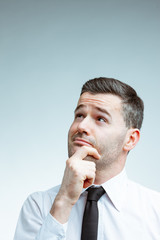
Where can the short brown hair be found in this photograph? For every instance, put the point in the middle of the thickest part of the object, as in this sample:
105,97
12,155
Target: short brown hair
132,104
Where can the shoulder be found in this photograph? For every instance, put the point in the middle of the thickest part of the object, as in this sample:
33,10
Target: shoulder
50,193
41,201
148,198
142,190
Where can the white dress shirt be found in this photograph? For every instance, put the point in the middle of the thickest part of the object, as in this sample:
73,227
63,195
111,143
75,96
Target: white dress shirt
127,211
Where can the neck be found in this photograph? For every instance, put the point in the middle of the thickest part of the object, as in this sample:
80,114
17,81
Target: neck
108,173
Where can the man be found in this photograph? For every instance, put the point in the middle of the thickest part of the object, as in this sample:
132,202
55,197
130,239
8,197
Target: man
107,123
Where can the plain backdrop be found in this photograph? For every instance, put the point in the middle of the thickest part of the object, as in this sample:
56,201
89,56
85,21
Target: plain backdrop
48,49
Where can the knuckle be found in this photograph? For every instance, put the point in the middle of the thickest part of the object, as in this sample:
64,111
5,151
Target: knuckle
92,164
72,166
84,148
68,162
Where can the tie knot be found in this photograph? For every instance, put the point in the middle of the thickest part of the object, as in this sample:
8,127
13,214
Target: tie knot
94,194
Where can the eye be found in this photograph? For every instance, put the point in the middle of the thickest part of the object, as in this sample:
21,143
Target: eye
101,119
78,115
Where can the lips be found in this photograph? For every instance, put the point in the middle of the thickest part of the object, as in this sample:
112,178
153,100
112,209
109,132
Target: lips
82,142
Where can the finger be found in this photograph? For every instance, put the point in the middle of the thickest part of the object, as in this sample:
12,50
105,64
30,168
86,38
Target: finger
89,175
89,180
87,151
88,183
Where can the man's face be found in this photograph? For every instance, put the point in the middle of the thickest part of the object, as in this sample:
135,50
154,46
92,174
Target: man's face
98,123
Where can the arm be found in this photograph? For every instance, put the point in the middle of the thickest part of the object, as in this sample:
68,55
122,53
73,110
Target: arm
78,174
32,224
34,221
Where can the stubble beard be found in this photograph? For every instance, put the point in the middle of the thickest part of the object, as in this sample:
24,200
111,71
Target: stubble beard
110,153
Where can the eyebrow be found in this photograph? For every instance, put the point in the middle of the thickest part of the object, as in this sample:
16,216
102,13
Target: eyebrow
97,108
103,111
79,106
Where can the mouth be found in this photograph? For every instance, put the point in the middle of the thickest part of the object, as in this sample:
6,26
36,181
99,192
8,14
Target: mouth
82,142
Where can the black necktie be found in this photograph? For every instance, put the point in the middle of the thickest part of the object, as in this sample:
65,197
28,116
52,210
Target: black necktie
90,217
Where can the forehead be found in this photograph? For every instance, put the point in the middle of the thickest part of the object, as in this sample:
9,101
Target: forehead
100,100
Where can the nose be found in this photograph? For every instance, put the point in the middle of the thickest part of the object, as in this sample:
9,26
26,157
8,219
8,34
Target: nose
84,126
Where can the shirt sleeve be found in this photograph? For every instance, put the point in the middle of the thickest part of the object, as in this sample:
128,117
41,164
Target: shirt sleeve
33,225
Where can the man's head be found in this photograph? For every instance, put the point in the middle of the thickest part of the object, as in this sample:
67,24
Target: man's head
108,117
132,105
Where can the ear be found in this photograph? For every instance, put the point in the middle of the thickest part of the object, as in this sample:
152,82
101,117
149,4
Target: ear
132,138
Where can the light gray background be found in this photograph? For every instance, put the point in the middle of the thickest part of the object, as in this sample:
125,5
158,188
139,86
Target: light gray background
48,49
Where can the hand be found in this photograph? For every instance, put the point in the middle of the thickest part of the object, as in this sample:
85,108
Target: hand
78,173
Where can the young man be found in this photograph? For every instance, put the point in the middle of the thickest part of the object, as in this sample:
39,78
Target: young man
107,123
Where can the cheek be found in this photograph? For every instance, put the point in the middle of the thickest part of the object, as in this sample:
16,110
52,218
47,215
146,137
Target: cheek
101,140
105,139
72,130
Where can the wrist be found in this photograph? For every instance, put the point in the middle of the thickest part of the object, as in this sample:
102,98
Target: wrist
61,209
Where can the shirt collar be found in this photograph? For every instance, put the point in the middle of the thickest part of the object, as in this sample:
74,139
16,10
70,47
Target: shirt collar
116,189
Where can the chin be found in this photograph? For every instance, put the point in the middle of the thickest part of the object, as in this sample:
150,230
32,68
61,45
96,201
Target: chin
89,158
72,149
